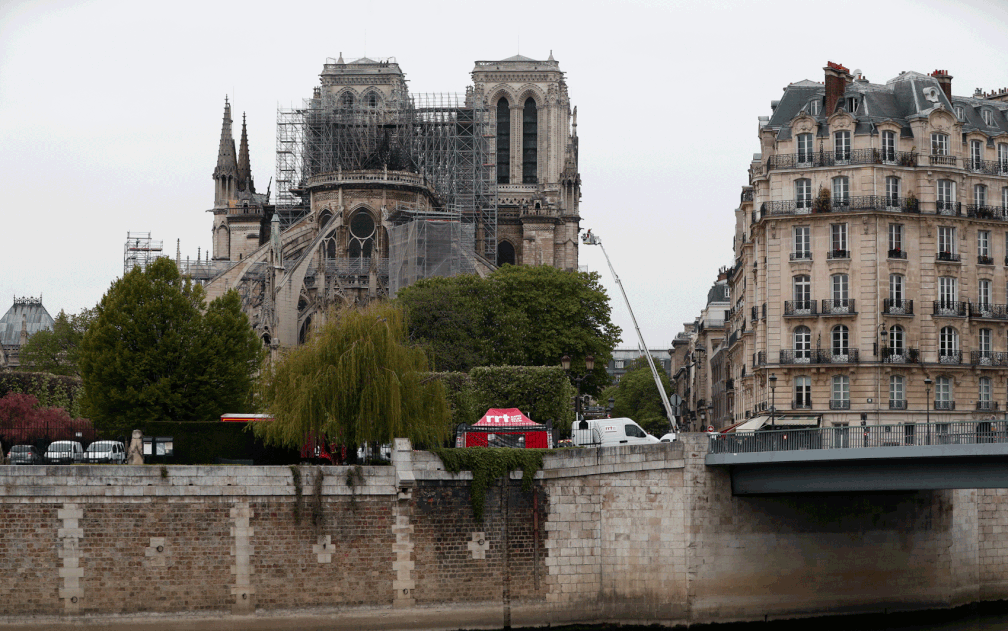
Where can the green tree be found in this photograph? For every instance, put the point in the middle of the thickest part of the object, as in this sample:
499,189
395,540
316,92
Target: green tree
153,354
518,315
637,397
356,380
56,351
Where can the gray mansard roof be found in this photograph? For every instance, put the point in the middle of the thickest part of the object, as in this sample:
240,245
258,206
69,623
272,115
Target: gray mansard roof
24,309
902,99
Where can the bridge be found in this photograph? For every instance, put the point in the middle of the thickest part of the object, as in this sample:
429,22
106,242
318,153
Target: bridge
904,457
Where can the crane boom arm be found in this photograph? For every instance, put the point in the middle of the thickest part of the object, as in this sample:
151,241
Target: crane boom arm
591,239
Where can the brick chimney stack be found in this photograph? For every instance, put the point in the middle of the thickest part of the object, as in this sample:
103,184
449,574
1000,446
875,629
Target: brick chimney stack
837,78
945,81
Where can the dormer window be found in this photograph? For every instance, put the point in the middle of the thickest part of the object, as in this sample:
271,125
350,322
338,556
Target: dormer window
960,112
814,106
988,117
852,104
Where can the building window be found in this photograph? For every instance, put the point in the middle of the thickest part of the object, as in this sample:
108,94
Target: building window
841,190
852,104
803,292
897,340
948,343
815,106
840,399
804,148
984,295
976,154
803,392
897,392
983,243
803,193
947,293
988,117
503,142
939,144
945,196
802,242
896,290
840,340
1002,157
984,343
838,239
946,240
530,140
1004,198
840,289
841,146
619,363
889,146
943,393
803,344
960,112
984,394
892,191
347,99
895,240
362,236
979,195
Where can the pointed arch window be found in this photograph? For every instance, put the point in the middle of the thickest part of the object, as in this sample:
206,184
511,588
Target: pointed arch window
530,139
362,238
503,141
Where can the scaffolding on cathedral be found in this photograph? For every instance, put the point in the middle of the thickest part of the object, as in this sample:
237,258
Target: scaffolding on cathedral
429,244
441,137
140,251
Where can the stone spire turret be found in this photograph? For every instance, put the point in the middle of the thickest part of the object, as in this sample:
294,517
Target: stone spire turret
226,172
244,165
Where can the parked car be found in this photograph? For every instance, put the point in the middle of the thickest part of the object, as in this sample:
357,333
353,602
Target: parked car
24,454
105,451
64,452
609,432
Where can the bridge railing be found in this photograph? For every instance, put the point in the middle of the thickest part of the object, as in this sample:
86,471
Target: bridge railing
857,436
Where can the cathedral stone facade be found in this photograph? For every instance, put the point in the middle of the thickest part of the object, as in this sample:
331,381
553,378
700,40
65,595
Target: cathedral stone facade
376,188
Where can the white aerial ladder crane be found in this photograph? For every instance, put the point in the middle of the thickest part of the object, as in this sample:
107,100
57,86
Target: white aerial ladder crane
590,239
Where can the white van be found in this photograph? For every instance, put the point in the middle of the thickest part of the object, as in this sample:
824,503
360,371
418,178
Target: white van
609,432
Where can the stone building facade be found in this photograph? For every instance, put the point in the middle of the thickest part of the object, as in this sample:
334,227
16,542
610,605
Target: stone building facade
374,190
25,317
871,267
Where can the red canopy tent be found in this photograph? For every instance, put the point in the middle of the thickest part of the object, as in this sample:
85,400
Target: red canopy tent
508,424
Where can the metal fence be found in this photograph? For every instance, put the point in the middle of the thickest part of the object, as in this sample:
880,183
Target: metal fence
849,437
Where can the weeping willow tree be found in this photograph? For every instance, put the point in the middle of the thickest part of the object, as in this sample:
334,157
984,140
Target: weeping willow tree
355,381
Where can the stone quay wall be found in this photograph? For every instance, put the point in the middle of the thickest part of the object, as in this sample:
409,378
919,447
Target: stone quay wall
639,533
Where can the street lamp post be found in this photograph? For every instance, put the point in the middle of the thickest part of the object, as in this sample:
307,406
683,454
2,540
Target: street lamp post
927,388
565,361
773,400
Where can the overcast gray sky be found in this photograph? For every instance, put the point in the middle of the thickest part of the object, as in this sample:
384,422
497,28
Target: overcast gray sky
110,113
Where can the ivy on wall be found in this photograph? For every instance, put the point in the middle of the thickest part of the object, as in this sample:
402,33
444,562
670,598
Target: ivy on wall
488,465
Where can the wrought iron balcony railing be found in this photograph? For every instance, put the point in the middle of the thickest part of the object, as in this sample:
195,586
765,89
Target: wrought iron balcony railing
837,356
897,306
801,256
796,356
729,384
900,355
984,260
755,313
842,404
986,311
843,306
948,257
987,167
838,254
897,253
760,359
800,308
801,404
944,405
950,309
827,158
949,357
897,405
989,358
987,406
983,211
948,208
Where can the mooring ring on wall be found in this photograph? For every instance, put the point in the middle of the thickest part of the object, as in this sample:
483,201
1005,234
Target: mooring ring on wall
74,600
160,548
244,596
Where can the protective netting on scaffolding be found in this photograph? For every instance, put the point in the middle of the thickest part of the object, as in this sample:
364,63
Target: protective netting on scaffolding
441,137
426,247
